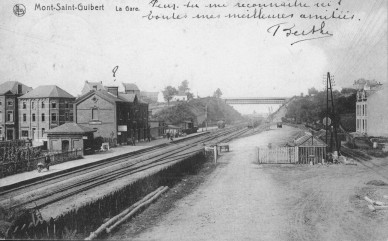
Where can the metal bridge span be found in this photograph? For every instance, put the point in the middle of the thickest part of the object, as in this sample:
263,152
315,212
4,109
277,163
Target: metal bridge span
256,100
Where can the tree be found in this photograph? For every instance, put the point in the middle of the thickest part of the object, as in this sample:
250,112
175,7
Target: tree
190,96
217,93
312,91
168,93
184,87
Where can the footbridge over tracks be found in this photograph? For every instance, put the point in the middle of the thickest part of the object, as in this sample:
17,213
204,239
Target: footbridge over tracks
257,105
256,100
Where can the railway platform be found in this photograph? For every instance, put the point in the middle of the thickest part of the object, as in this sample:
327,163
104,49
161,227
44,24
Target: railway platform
65,166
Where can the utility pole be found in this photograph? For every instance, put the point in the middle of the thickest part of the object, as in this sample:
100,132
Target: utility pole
206,115
331,114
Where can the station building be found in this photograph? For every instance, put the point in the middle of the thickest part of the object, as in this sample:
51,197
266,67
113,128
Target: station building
9,117
115,116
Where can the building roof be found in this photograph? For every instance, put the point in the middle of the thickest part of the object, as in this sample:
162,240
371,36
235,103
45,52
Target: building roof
70,128
12,86
47,91
130,86
173,127
108,96
308,140
128,97
90,85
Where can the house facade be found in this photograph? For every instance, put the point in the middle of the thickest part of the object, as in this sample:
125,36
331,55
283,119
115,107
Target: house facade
371,113
376,121
9,118
42,109
113,115
89,86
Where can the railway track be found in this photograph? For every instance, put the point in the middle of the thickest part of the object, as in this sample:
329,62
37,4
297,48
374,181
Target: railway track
99,174
81,170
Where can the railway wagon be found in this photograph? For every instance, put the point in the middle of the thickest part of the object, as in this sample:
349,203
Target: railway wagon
221,124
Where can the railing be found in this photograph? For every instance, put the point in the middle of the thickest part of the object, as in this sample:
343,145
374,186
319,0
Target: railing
19,165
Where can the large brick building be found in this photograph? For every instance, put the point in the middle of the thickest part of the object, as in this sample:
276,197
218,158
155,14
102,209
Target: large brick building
44,108
9,121
114,115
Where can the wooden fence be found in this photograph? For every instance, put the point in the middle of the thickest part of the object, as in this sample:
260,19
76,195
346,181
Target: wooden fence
291,155
279,155
15,167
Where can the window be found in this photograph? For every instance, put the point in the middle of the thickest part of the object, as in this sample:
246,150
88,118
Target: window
366,113
71,117
66,105
43,117
1,116
53,117
366,125
94,114
43,131
53,104
33,117
10,103
24,133
71,105
24,105
10,116
24,117
95,87
1,103
363,110
66,116
33,105
42,105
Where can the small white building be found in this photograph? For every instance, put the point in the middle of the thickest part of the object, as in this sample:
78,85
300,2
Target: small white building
179,98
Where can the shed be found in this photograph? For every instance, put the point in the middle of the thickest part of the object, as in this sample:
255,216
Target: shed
310,148
69,136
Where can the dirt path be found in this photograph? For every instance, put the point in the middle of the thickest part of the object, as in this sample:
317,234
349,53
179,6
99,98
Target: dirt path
237,202
241,200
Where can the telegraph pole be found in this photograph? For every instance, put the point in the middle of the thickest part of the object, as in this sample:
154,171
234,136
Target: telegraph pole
206,115
331,114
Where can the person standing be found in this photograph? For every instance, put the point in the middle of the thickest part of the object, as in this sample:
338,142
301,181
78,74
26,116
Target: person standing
47,161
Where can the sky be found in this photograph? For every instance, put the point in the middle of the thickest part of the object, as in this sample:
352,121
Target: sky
238,56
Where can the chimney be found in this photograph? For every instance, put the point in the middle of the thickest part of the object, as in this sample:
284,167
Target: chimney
20,89
114,90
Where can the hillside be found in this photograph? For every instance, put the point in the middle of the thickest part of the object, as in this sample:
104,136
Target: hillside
195,110
312,108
